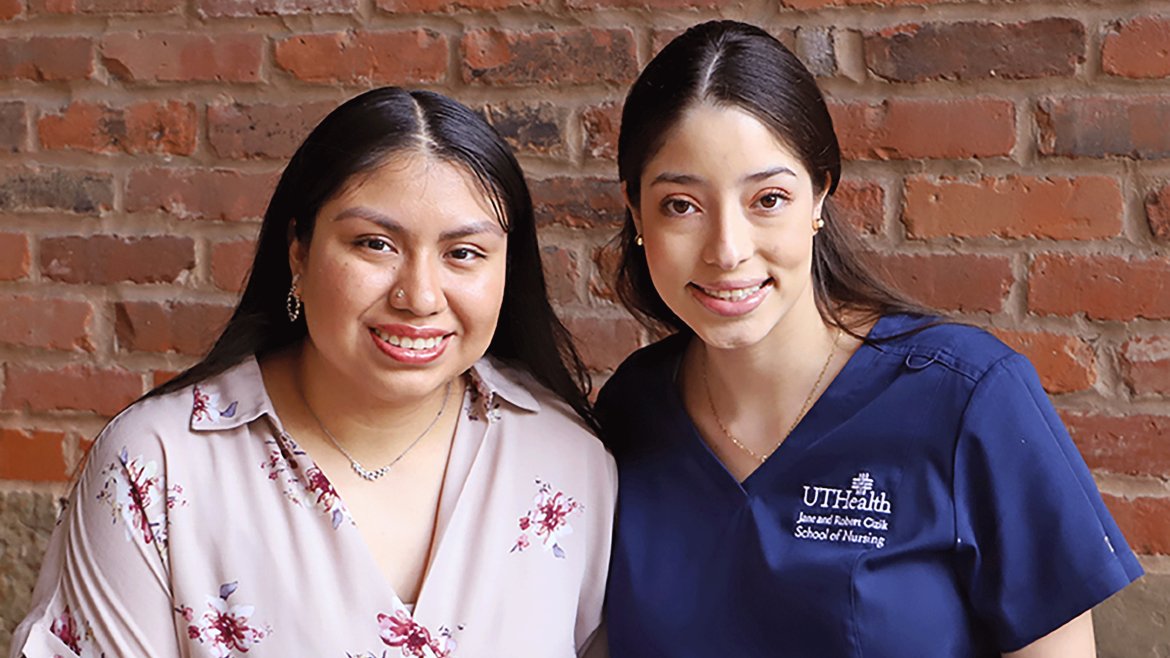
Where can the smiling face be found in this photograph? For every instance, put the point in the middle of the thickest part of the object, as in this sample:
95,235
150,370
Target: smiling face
402,281
727,215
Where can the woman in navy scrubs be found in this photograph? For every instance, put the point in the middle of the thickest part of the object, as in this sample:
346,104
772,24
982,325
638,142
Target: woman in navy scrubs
811,465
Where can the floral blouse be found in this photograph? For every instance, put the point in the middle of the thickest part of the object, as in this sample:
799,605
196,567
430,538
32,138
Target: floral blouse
200,528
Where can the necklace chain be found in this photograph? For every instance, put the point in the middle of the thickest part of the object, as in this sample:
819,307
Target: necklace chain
362,471
799,416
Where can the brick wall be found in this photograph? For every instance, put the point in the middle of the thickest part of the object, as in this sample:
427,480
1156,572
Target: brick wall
1009,161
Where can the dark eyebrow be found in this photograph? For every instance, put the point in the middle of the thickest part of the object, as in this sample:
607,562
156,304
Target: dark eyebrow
688,179
391,225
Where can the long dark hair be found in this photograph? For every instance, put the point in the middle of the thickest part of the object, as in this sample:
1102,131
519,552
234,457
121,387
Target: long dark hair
738,65
352,141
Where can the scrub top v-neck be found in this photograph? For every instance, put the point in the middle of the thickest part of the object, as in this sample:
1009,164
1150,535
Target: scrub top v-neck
929,504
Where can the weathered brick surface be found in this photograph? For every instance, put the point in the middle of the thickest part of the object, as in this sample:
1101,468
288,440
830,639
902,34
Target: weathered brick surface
35,189
13,126
601,123
14,256
535,128
1145,365
55,324
244,8
1065,363
1136,444
32,455
218,194
46,58
644,4
563,57
140,128
1133,623
1102,287
415,56
1143,522
103,391
1138,48
230,263
183,57
26,521
818,4
187,328
110,258
431,6
952,282
9,9
919,52
261,130
578,202
1100,127
1158,213
860,203
1055,208
562,272
913,128
103,7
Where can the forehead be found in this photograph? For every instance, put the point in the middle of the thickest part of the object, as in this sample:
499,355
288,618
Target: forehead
717,140
417,183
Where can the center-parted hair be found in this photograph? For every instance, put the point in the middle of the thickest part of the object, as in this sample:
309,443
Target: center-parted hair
733,64
353,141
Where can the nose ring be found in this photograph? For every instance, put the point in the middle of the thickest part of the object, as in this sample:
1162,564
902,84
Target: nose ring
400,294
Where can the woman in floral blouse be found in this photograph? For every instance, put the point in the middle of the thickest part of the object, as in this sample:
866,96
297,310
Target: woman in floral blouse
383,455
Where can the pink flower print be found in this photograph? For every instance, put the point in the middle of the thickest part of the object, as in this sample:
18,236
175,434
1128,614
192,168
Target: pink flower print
65,628
548,520
401,630
225,629
133,490
314,490
201,408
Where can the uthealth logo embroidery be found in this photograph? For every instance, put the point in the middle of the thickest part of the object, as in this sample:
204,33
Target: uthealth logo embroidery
832,514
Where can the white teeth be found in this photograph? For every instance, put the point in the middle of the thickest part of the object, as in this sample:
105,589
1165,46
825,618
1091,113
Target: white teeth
734,295
409,343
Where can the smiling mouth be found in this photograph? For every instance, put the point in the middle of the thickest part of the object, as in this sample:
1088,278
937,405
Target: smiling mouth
408,343
733,294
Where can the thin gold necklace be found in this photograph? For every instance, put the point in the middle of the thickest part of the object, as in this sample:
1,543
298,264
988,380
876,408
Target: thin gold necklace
799,416
362,471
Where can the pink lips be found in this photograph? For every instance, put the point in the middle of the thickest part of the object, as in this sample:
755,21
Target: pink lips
409,355
731,307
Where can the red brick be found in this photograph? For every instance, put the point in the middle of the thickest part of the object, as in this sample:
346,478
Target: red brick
231,262
1158,213
571,56
1145,366
103,7
103,259
104,391
644,4
561,273
141,128
34,189
160,377
1135,444
1131,127
55,324
183,56
14,256
10,9
601,124
900,129
534,128
261,130
187,328
32,456
958,282
245,8
861,204
1066,363
435,6
1143,521
47,58
1102,287
1035,49
604,274
604,342
660,37
578,202
1056,208
409,56
13,127
1139,48
215,194
820,4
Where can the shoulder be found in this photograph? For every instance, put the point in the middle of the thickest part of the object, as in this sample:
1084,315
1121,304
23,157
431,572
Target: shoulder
966,350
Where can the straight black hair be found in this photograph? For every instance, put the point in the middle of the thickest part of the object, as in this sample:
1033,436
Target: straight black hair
352,141
733,64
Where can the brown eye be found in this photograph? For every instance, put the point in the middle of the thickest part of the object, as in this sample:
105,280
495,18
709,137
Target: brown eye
679,206
770,201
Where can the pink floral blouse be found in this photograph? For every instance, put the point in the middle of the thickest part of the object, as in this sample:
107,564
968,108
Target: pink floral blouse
200,528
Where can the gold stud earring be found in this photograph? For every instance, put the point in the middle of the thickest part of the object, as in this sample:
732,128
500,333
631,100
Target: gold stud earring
818,224
638,240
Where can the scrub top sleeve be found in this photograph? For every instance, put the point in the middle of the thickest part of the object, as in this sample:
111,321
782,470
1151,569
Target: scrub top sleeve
1034,542
103,587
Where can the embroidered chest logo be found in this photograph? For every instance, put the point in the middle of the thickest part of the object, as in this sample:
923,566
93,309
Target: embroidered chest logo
857,515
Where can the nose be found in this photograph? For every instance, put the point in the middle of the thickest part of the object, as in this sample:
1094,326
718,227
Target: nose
728,241
418,287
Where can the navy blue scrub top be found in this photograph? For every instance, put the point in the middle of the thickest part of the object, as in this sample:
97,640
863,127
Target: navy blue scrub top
930,504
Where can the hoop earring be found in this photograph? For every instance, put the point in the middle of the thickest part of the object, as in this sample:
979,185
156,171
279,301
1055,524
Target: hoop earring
292,303
638,240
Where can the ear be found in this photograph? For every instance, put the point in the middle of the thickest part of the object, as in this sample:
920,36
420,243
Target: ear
298,252
633,210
